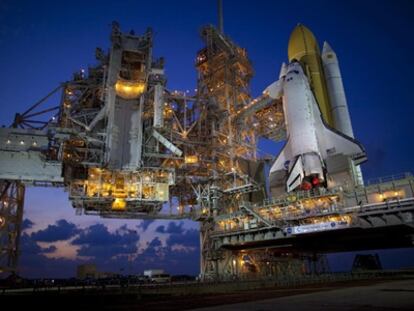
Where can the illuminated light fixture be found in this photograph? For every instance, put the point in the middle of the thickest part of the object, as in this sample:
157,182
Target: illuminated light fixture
22,142
119,204
2,221
8,141
129,89
191,159
396,193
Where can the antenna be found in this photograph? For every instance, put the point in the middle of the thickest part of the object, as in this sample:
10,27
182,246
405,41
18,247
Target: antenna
220,15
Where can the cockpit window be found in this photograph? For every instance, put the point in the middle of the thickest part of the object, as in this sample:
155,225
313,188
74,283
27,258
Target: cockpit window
295,71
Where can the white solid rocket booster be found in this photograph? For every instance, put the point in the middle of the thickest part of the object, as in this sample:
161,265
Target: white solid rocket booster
337,98
339,107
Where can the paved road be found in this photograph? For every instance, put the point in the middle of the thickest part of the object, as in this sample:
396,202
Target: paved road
396,295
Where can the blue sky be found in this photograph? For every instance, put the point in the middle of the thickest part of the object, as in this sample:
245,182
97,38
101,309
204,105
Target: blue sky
43,42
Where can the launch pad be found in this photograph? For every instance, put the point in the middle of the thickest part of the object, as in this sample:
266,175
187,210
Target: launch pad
125,146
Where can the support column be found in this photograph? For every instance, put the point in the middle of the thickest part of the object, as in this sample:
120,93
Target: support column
11,217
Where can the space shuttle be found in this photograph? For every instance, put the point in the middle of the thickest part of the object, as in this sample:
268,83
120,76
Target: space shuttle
316,154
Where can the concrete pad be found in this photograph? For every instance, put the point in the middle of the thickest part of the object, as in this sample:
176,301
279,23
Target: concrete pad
395,295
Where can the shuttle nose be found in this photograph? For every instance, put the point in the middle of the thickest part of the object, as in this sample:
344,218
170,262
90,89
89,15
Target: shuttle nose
295,67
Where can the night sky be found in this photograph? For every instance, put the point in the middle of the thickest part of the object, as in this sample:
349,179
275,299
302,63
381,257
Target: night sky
43,42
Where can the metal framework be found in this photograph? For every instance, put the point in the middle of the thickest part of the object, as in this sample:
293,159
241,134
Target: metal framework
11,215
125,146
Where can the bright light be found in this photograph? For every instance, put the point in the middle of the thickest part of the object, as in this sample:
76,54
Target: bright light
119,204
191,159
129,89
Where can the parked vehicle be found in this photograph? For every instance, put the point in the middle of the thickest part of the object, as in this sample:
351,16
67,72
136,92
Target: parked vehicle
160,278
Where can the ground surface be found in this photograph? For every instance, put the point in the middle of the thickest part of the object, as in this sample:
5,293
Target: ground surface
351,295
396,295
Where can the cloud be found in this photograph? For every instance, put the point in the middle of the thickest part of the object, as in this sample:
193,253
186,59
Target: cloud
100,244
50,249
27,224
145,224
154,243
34,263
190,238
46,252
184,260
154,250
62,230
160,229
99,235
172,228
28,245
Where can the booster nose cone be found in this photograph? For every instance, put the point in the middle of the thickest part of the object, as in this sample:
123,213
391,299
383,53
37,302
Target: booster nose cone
327,51
302,42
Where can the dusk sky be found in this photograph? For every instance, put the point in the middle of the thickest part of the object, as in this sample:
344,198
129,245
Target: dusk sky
43,42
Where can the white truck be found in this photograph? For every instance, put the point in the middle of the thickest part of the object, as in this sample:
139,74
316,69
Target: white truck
157,276
150,273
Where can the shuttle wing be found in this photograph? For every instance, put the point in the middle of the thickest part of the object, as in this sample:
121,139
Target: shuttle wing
280,168
282,161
